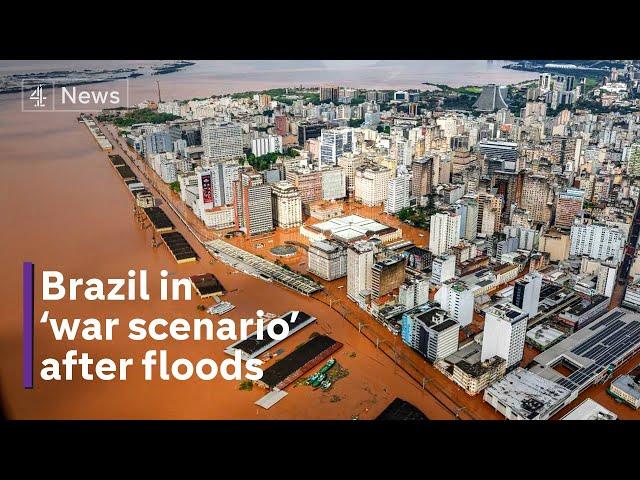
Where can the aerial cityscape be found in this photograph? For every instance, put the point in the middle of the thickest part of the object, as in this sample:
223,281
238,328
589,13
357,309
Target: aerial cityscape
444,246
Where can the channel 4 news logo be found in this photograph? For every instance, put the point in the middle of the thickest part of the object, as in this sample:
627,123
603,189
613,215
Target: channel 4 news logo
49,97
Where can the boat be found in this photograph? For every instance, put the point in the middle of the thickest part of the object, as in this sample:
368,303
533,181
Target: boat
325,385
328,365
316,383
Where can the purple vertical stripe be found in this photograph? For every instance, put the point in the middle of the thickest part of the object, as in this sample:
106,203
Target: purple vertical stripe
27,324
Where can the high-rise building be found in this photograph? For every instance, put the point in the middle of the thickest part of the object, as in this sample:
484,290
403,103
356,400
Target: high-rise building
444,232
505,328
372,184
328,259
457,299
335,142
307,131
221,140
499,155
349,162
360,259
536,193
329,92
443,268
399,193
252,201
526,293
606,279
286,205
334,183
568,207
467,208
597,240
430,331
422,182
387,275
414,291
309,183
266,144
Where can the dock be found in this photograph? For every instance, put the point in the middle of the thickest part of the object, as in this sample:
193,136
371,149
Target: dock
159,219
180,249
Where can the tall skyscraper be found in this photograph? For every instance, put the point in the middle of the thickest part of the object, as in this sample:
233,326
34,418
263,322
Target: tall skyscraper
526,293
505,328
221,140
422,183
444,232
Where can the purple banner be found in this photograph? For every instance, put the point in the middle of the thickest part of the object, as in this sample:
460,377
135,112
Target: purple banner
27,324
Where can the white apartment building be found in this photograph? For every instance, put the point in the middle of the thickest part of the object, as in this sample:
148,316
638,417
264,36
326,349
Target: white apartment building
286,205
372,184
266,144
399,193
505,328
443,269
444,232
597,240
457,299
526,293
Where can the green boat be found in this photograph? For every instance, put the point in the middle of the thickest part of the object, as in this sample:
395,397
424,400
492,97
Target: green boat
316,383
328,365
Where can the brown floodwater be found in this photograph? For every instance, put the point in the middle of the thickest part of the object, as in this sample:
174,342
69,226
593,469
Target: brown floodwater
65,208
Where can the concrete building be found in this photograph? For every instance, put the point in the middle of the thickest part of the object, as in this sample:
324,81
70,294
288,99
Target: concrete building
606,279
443,269
252,202
286,205
334,183
221,140
309,184
536,196
414,291
568,207
360,259
372,184
457,299
266,144
422,182
523,395
398,194
505,328
430,331
444,232
349,162
627,388
387,275
526,293
556,244
597,240
327,259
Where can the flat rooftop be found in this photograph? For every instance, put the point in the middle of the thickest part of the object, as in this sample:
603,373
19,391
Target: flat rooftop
401,410
607,341
629,384
527,394
590,410
350,227
544,335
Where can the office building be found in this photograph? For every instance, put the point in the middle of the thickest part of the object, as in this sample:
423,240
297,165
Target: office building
422,181
505,329
443,269
286,205
457,299
309,184
327,259
334,143
387,275
526,293
499,155
334,183
252,202
360,259
372,184
430,331
221,140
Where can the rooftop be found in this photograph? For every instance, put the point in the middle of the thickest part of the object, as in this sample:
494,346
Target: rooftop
350,227
590,410
528,395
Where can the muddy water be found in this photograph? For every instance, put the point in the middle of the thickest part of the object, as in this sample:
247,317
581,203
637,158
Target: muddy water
64,208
